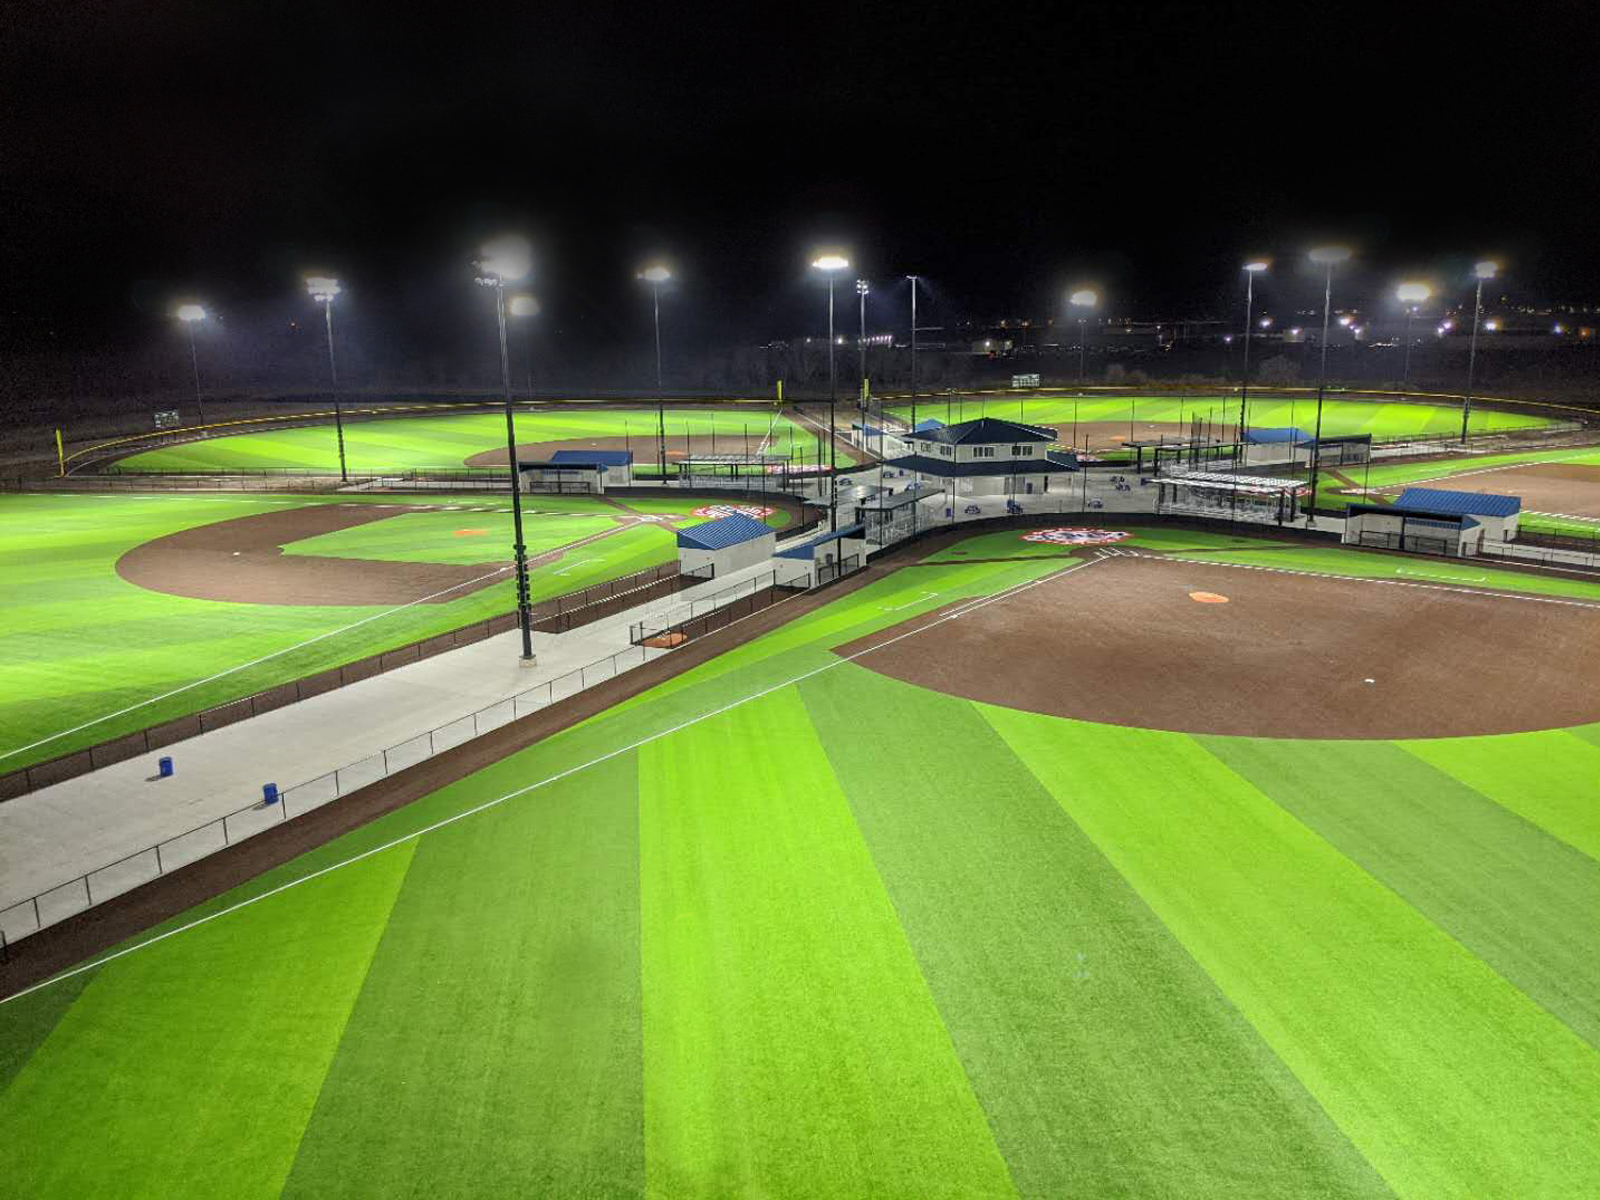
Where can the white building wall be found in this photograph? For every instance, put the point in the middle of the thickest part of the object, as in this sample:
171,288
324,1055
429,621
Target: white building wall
729,558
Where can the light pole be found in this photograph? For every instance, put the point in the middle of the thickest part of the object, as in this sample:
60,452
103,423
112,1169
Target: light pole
1082,300
1411,295
913,279
655,277
504,260
1327,257
1484,270
861,362
830,265
323,289
525,306
189,314
1251,270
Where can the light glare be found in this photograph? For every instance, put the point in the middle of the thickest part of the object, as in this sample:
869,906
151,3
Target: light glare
322,287
524,306
831,262
1258,265
1413,293
1487,269
1084,298
507,258
1329,255
191,312
655,274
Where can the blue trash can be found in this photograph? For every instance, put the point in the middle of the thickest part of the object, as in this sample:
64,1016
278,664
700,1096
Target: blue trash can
164,767
269,793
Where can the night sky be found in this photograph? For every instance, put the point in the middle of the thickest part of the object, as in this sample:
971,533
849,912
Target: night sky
153,151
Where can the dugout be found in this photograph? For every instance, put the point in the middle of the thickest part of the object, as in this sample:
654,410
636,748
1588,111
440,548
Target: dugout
713,470
1221,496
560,477
727,544
1497,515
831,554
1420,531
891,515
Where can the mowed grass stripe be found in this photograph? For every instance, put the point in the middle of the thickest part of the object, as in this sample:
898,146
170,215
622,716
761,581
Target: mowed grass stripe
1551,778
1108,1062
192,1067
1521,900
495,1048
1446,1077
28,1020
791,1045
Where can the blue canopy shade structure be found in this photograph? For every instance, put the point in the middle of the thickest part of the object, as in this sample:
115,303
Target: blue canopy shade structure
726,531
1441,500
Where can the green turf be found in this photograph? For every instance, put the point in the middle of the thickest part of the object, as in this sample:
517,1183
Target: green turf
1074,1009
803,930
547,1098
150,1037
79,643
778,1062
412,443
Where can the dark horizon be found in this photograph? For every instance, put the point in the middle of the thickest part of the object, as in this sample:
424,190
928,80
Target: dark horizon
218,156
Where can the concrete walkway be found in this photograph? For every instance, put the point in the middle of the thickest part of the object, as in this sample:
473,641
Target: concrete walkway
57,834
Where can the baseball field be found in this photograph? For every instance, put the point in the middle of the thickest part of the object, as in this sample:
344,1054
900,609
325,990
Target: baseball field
479,440
118,612
1124,864
1104,423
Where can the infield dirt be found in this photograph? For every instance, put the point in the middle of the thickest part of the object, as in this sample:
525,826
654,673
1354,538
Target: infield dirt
1121,641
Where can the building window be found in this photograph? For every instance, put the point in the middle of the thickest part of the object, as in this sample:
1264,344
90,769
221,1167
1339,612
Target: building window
945,450
983,452
1022,452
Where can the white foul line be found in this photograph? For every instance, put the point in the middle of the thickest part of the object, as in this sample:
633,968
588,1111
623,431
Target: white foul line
959,611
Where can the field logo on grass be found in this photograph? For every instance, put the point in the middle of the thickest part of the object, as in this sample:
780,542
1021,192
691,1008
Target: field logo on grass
1077,537
727,510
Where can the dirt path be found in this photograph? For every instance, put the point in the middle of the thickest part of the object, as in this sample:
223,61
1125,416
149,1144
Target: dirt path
1572,489
1141,642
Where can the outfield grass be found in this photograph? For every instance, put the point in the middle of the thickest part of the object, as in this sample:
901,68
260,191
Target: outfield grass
447,442
804,930
78,642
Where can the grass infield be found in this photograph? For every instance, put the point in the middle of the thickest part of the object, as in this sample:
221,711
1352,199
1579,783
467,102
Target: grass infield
804,930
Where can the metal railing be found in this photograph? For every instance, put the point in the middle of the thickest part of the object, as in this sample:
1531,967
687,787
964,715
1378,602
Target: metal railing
46,908
661,630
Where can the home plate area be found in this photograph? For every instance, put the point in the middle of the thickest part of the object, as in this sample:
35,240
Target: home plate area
1208,648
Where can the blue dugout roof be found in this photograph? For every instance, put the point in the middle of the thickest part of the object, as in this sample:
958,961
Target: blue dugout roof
1283,433
808,550
592,458
731,530
1476,504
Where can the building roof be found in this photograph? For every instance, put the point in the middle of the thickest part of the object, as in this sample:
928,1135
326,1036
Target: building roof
731,530
552,465
1283,433
808,549
948,468
1227,482
984,429
1476,504
594,458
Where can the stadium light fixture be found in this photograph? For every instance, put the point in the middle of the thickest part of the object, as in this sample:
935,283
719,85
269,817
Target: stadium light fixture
503,260
189,313
323,288
830,265
1257,266
1326,257
1486,269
